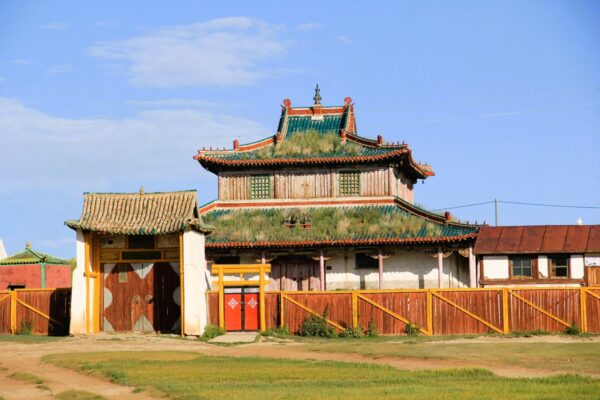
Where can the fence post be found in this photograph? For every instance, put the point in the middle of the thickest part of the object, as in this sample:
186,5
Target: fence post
505,317
354,310
281,310
583,308
429,311
13,312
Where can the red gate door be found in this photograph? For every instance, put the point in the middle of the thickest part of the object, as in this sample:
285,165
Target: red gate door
233,309
251,309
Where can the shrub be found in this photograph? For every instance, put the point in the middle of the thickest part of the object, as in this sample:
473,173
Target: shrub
212,331
351,332
26,328
411,329
371,329
573,330
279,331
316,325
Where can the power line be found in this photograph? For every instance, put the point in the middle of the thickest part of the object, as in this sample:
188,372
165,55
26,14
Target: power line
547,205
521,203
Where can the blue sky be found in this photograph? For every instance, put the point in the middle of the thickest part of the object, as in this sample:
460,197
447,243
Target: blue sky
501,98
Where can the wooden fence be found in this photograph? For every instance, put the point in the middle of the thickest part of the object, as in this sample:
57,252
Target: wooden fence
436,311
43,311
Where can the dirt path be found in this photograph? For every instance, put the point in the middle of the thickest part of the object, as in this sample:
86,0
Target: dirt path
20,357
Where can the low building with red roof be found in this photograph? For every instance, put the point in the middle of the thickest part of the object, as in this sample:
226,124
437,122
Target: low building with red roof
539,255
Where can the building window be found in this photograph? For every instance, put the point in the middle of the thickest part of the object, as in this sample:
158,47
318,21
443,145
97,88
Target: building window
349,184
363,261
558,266
521,267
122,271
228,260
260,187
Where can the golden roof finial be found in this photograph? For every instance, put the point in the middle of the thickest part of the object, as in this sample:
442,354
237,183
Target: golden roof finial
28,245
141,189
317,97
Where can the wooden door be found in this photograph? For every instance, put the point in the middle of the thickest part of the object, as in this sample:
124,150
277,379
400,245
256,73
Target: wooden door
141,297
294,273
232,300
251,309
592,276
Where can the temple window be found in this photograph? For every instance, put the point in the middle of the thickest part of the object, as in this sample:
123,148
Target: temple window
260,187
558,266
521,267
349,184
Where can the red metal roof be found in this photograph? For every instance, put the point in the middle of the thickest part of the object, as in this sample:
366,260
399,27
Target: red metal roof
538,239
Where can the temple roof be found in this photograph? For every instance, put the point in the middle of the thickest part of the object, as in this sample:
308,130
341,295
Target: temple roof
385,222
315,135
139,213
29,256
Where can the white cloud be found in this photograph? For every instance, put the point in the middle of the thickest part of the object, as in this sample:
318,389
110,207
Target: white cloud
56,26
43,151
225,51
309,26
20,61
175,103
344,39
58,69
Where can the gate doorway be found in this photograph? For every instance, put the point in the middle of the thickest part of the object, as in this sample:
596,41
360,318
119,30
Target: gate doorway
592,275
141,297
291,273
241,308
242,299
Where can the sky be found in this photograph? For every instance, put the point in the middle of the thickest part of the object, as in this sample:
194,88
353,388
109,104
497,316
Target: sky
502,98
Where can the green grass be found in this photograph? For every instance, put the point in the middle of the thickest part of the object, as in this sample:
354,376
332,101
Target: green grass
30,339
26,377
190,376
580,356
78,395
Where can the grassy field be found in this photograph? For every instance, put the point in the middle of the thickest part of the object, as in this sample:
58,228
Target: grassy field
191,376
575,357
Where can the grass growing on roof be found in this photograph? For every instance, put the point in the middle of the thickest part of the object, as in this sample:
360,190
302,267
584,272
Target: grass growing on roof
328,223
191,376
310,143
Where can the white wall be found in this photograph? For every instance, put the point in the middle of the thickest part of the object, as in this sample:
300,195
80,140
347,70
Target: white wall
194,282
576,266
402,270
543,266
495,267
78,289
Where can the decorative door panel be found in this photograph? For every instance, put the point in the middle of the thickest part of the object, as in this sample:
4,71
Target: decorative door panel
233,311
251,315
292,273
141,297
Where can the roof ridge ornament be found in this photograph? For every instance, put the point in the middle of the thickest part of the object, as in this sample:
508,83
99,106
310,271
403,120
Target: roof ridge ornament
317,96
28,245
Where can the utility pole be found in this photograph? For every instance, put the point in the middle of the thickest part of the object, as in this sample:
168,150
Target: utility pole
496,204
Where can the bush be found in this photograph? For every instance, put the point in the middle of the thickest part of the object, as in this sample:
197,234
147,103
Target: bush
351,332
316,326
25,329
212,331
412,329
371,329
573,330
279,331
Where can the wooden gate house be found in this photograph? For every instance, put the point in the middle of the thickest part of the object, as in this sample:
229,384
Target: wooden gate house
140,264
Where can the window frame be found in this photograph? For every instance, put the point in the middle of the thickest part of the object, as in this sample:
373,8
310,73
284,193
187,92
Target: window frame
343,187
532,266
256,184
552,266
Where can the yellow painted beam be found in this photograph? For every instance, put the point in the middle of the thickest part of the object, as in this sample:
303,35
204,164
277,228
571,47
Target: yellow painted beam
281,310
583,309
505,315
302,306
87,283
43,314
181,286
589,291
464,310
97,281
354,310
389,312
429,304
13,312
221,301
261,298
546,313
